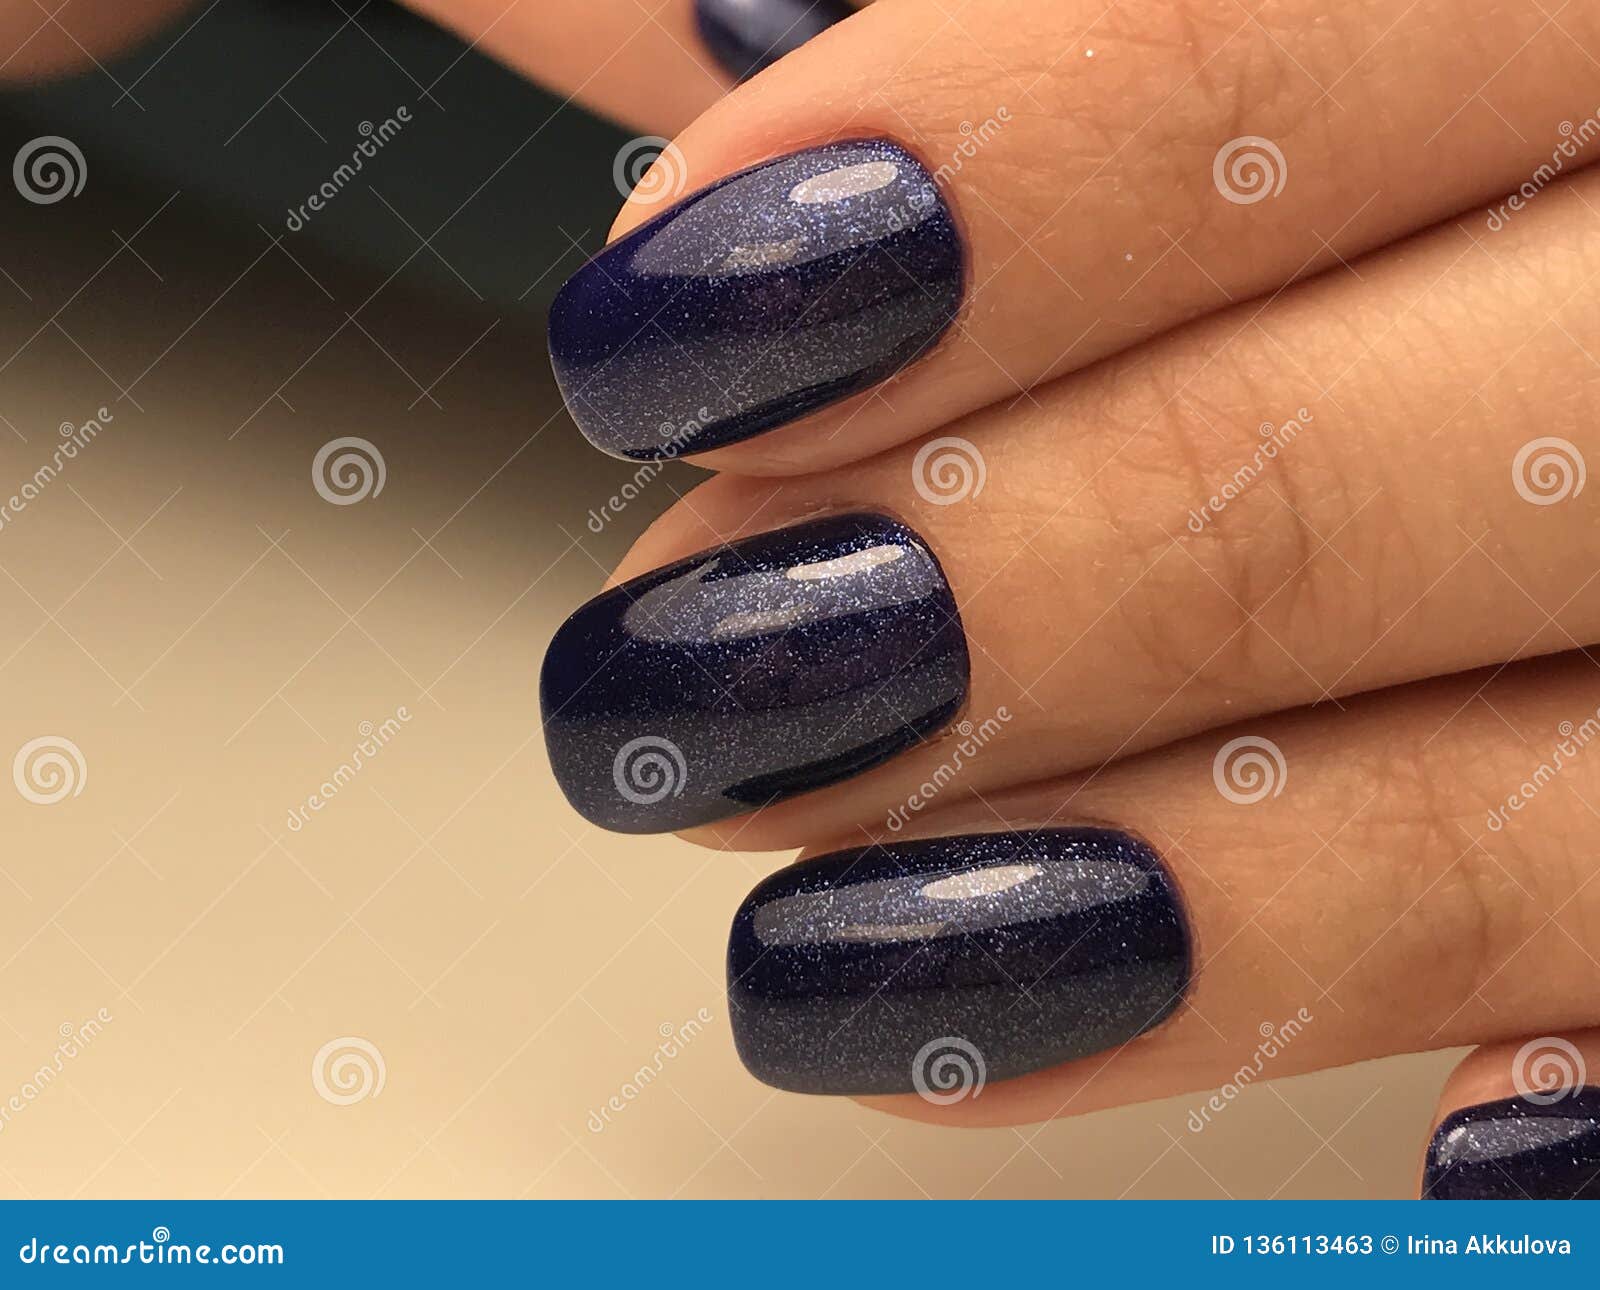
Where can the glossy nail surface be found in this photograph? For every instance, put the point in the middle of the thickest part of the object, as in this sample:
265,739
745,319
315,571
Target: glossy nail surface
752,672
764,297
1518,1150
747,35
936,965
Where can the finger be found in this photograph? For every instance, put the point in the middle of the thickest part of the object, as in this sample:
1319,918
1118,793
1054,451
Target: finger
654,65
38,42
1065,180
1518,1120
1279,506
1346,903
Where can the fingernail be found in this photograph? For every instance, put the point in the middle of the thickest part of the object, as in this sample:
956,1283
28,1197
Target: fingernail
1518,1149
770,294
747,35
935,966
752,672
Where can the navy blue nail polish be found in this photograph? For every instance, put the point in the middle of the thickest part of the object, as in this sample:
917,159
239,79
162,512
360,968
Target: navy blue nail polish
753,302
748,35
937,965
751,672
1518,1150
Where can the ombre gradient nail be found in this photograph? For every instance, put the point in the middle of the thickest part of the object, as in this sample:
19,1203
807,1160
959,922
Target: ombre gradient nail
936,965
748,35
1518,1149
766,296
752,672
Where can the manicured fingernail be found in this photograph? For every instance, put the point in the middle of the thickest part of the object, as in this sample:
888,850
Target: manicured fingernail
753,302
937,965
747,35
1518,1149
751,672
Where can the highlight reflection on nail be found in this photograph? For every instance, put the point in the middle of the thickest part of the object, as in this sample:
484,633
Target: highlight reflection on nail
984,956
749,35
1518,1149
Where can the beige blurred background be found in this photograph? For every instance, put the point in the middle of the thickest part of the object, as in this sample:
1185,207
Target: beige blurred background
182,607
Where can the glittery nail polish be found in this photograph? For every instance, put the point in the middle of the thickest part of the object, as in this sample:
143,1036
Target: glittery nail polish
1518,1149
939,964
751,672
748,35
766,296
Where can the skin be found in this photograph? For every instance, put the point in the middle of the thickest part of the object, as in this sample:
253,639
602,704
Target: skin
1127,334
